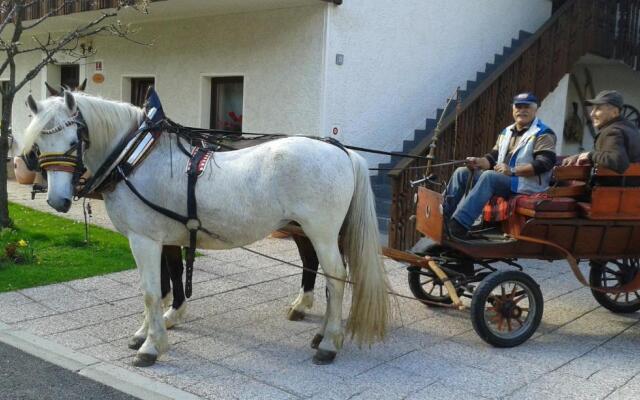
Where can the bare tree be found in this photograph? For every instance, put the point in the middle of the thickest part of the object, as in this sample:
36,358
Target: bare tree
16,40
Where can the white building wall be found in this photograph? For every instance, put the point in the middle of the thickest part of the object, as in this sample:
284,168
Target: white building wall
553,111
279,53
402,59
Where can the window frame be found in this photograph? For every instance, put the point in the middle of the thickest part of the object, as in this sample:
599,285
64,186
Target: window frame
215,81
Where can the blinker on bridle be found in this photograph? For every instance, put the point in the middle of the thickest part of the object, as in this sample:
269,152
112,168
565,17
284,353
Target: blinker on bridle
67,161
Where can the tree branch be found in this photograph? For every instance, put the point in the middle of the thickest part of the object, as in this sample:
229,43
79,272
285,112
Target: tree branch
53,47
44,17
8,17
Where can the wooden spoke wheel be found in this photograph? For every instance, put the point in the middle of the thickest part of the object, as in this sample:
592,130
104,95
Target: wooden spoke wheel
612,274
425,285
631,113
506,308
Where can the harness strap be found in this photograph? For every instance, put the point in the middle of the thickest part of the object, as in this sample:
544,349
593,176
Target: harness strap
192,212
191,221
155,207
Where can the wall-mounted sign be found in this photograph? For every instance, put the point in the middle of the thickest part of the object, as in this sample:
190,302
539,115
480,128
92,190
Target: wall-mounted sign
97,78
98,66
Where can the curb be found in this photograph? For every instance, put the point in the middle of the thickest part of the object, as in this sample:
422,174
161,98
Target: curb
124,380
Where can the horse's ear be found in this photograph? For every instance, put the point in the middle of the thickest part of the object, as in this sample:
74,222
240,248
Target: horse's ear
33,106
52,91
82,86
70,101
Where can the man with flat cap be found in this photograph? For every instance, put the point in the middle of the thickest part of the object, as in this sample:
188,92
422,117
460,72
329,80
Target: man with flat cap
520,163
618,140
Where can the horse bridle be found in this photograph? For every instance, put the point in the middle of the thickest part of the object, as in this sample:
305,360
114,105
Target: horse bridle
67,161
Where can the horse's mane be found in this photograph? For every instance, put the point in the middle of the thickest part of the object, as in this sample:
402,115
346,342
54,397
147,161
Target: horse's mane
106,119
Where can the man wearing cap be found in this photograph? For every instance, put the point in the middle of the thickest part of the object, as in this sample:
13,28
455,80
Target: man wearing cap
520,163
618,140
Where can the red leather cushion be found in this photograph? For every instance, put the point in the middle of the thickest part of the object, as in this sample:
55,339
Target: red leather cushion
549,204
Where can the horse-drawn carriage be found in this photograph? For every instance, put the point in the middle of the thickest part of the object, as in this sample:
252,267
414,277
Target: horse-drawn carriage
507,305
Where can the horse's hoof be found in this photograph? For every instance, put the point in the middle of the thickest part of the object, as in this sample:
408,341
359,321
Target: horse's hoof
295,315
135,343
315,342
144,360
324,357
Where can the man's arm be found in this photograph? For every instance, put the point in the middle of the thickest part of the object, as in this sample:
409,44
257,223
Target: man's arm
612,153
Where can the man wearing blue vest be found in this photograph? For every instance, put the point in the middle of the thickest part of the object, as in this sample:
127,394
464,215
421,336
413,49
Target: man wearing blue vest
520,163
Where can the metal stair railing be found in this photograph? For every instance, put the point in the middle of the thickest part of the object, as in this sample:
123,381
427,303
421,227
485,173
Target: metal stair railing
608,28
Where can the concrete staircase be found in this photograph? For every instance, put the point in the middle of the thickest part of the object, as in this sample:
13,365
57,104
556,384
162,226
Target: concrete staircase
381,183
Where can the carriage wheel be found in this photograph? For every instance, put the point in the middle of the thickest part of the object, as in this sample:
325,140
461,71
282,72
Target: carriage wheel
506,308
615,273
631,113
425,285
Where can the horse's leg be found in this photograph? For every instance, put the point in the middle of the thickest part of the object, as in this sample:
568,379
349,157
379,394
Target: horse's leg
147,253
331,334
304,301
172,258
165,282
167,262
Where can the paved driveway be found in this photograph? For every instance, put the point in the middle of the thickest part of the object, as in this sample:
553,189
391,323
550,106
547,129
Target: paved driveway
236,342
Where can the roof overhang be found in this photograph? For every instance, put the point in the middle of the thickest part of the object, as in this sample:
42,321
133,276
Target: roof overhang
160,10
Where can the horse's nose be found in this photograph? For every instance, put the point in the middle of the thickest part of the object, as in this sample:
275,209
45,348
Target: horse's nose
61,207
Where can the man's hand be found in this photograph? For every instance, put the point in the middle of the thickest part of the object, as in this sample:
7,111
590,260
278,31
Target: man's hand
583,159
571,160
478,163
503,169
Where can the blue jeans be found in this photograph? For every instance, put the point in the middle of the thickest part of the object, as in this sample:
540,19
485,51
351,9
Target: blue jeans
486,184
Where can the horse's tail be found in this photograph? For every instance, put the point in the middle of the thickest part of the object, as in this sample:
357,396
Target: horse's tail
369,312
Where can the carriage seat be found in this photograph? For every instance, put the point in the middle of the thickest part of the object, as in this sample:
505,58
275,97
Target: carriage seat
614,196
536,206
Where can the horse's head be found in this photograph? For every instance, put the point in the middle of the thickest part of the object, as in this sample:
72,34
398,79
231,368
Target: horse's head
58,133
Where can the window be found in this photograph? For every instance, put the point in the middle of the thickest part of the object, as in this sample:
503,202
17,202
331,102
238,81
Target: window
70,75
139,87
226,103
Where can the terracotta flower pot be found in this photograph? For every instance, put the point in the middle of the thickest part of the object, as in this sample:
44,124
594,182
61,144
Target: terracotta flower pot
23,175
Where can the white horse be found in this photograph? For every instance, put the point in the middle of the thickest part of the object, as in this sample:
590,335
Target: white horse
242,197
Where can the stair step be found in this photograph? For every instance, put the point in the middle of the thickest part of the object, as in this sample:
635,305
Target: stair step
506,51
382,177
383,207
498,59
382,191
383,226
489,68
420,134
480,76
471,85
523,35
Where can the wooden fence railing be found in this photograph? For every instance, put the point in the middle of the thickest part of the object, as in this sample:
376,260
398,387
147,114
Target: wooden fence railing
43,7
608,28
40,8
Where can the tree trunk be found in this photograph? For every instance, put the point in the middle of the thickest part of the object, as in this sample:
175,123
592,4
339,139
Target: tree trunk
7,105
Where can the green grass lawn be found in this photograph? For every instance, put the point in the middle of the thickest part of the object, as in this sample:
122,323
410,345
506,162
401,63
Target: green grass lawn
60,253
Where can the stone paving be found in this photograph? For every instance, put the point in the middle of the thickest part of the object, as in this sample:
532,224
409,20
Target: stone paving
236,343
